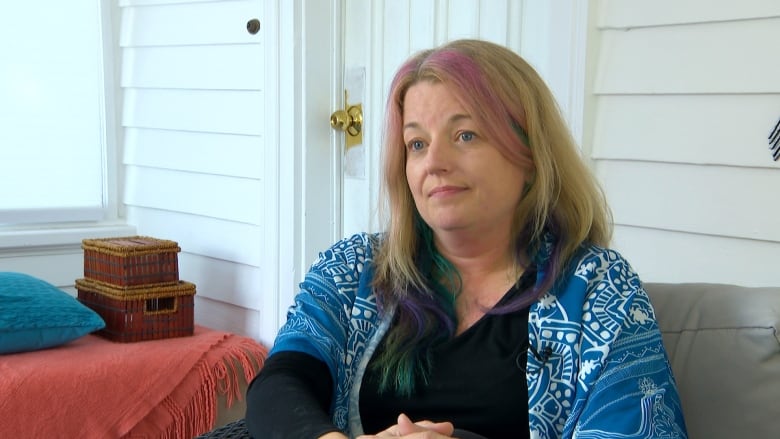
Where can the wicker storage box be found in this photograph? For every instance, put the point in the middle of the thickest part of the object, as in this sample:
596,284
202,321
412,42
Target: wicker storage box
141,313
131,260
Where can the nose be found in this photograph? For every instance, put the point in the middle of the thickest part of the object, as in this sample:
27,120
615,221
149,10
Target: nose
439,156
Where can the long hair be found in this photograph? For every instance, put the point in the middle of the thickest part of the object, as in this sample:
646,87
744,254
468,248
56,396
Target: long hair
510,102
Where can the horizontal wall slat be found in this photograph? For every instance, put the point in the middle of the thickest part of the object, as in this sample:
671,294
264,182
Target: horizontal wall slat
228,67
59,269
730,57
199,235
197,194
715,200
629,14
227,317
665,256
222,22
208,153
221,280
721,129
223,111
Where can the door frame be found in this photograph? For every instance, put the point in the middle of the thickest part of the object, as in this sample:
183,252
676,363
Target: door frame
303,157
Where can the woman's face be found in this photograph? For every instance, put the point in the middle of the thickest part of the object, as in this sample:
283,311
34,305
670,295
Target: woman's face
459,180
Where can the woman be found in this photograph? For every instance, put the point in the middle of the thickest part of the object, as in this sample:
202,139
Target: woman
490,307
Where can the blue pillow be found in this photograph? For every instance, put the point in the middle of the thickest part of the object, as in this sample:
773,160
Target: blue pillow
35,314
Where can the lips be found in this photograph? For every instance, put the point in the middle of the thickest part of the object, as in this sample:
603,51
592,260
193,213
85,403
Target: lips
443,191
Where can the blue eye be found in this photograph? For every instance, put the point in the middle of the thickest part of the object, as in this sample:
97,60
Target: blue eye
415,145
467,136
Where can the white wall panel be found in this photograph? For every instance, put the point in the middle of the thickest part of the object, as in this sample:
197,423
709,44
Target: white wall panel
494,21
225,67
231,198
195,151
631,14
223,111
230,241
56,267
685,97
667,256
221,280
222,22
463,20
229,317
422,26
706,129
395,35
730,57
552,37
715,200
222,154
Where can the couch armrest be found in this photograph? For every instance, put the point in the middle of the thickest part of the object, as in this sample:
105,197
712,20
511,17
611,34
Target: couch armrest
724,347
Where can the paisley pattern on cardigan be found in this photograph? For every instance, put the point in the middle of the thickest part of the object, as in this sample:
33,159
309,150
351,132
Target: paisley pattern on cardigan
599,368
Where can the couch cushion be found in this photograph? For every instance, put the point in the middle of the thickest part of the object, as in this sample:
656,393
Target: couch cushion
724,347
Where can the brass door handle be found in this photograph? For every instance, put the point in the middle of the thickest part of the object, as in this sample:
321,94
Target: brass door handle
350,121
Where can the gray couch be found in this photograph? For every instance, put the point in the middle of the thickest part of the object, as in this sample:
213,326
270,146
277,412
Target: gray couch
724,346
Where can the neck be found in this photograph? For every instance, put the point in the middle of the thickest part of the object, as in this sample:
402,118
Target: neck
487,263
476,253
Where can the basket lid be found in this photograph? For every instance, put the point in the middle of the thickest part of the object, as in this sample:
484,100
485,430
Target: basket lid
130,244
152,291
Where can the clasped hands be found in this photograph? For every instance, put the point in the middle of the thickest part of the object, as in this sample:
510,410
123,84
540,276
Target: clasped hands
405,428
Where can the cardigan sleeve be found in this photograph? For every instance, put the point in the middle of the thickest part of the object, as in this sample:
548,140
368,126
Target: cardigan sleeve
317,323
625,376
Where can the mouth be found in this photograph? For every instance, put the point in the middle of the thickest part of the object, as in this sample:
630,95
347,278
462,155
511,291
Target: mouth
443,191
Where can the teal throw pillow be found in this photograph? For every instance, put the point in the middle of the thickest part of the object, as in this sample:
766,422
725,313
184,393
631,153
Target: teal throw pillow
35,314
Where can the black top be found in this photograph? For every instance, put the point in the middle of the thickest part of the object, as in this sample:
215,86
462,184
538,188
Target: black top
477,382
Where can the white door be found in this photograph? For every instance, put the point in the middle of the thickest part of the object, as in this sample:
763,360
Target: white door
380,35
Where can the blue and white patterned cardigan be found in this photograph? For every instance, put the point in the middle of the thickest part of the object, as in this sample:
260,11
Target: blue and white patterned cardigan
603,373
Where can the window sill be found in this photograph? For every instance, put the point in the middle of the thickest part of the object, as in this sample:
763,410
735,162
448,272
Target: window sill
44,238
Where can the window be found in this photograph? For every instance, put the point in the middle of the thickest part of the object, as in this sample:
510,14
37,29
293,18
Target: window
56,130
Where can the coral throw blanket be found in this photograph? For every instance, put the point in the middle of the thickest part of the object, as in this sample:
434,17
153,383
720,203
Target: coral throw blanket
95,388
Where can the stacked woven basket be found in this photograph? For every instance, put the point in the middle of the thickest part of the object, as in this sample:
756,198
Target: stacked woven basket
133,283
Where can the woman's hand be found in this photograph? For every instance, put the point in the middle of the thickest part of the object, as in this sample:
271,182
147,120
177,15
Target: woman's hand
333,435
405,428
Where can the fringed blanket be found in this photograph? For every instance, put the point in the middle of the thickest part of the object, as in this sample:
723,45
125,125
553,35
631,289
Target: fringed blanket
95,388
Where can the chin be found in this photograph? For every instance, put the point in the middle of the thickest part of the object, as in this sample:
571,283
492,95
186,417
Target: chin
450,219
447,226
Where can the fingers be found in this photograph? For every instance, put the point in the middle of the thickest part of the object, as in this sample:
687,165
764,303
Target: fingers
405,426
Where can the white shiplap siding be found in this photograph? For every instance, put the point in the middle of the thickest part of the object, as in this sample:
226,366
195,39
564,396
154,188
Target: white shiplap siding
684,97
193,113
